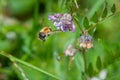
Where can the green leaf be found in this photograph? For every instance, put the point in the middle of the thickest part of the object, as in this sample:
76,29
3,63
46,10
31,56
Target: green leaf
95,17
36,75
86,22
92,31
12,58
90,69
99,63
105,12
113,9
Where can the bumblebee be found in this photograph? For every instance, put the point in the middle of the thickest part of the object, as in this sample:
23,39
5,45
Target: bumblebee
44,33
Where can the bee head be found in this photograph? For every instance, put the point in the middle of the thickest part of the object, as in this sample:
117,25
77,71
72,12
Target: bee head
42,36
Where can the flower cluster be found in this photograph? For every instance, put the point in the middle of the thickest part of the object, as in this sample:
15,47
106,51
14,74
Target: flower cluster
86,41
70,51
63,22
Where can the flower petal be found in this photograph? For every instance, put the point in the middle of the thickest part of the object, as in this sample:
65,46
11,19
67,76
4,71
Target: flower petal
64,27
57,24
72,28
52,18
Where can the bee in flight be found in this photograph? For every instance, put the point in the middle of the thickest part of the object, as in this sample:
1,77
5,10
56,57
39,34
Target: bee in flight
44,32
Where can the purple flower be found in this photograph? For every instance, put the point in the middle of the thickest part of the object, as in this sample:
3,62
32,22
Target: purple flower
66,27
63,22
66,17
57,24
86,41
54,17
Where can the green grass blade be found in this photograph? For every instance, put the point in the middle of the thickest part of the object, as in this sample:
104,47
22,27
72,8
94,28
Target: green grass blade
12,58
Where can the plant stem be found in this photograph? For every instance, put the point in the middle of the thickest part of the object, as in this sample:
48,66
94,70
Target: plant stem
101,21
84,56
78,23
76,3
70,62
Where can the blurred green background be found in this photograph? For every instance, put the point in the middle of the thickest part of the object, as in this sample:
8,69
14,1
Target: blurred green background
20,22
